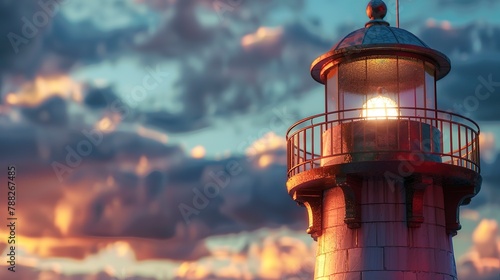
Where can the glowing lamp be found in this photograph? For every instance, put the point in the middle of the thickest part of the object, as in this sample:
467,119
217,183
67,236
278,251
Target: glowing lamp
380,107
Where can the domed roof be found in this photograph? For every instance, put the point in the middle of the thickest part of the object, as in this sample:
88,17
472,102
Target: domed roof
379,34
378,38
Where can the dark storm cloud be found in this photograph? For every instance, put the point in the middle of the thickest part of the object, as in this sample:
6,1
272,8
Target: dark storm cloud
218,76
472,87
188,172
180,35
239,10
84,42
100,97
448,41
52,111
45,144
18,52
464,39
205,79
19,136
265,189
153,183
245,79
174,123
490,187
491,181
130,144
150,207
37,38
298,33
103,99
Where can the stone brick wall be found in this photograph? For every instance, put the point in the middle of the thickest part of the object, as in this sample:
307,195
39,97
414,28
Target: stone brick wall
384,247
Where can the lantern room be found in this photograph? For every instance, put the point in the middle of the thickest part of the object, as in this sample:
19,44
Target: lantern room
380,67
381,103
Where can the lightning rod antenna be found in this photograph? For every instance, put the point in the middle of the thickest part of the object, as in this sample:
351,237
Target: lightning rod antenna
397,13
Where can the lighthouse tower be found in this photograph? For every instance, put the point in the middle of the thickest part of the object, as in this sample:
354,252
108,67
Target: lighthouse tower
383,172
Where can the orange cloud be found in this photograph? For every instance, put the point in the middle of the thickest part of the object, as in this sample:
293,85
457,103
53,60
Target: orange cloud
44,87
198,152
470,214
262,150
483,260
488,149
485,238
265,40
265,255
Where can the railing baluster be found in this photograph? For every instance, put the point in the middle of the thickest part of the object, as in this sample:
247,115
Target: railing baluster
441,140
304,145
312,150
288,154
460,144
321,142
330,136
431,137
451,142
467,145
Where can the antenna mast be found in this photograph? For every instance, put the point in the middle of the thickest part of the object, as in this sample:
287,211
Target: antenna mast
397,13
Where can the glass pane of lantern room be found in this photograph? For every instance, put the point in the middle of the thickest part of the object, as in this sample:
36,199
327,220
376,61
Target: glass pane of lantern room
332,94
412,87
352,88
382,84
430,89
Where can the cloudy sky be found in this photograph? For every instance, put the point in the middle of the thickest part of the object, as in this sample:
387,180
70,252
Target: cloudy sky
118,113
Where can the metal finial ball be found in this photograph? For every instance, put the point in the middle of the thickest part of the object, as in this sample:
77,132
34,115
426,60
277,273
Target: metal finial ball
376,9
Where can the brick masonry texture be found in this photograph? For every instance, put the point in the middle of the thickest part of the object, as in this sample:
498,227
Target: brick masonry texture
384,247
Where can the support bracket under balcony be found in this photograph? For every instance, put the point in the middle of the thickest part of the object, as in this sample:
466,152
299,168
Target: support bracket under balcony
351,187
314,205
415,188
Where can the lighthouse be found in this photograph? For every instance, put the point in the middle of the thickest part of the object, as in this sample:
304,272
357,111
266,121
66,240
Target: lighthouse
382,172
